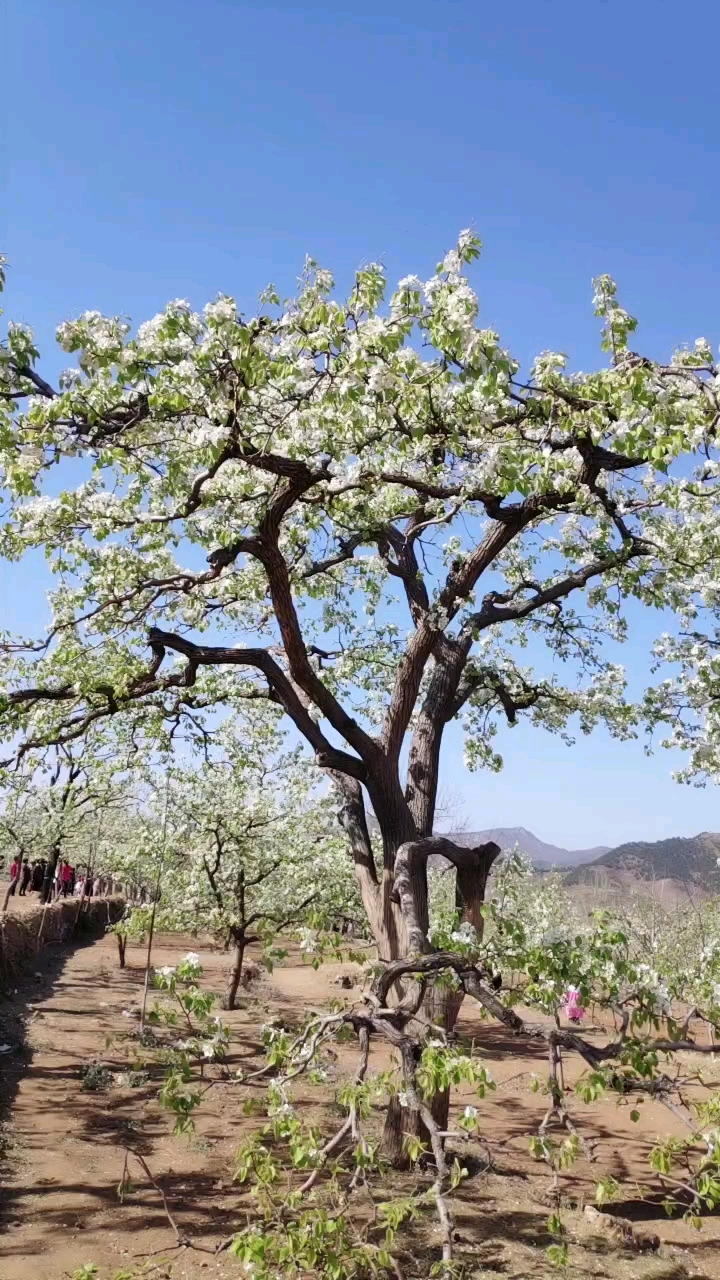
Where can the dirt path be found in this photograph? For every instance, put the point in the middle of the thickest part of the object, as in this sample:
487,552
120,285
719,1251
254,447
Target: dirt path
65,1147
60,1204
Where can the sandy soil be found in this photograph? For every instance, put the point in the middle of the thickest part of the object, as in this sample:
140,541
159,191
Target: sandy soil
64,1148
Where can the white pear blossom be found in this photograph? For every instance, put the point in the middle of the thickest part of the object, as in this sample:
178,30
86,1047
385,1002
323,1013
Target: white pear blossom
268,502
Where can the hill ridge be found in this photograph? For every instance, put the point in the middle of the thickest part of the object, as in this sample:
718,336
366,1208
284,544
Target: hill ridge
541,853
693,860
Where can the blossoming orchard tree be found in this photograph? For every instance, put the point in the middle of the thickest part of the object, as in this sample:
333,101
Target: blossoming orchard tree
688,700
252,851
363,512
66,801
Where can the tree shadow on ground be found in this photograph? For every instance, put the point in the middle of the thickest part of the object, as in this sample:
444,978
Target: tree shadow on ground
16,1013
652,1210
201,1207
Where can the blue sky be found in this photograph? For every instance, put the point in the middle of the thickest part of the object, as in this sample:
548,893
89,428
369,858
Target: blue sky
173,150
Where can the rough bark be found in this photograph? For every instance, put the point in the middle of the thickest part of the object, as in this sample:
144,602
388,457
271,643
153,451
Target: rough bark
231,989
377,892
399,1124
403,1122
46,891
441,1004
437,708
472,870
396,903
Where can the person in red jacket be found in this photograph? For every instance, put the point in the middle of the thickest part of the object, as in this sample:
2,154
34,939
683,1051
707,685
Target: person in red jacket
14,874
66,878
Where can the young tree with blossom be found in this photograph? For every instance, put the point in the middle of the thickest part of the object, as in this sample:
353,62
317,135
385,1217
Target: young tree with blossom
253,851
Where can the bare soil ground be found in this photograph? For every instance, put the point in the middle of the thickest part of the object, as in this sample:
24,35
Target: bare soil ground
64,1148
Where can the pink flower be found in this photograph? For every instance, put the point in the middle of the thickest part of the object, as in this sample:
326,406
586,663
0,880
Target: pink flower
573,1008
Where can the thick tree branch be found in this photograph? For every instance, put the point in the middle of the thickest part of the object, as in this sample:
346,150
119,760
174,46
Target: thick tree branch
216,655
450,657
301,668
494,610
472,867
460,583
353,819
474,984
280,686
40,385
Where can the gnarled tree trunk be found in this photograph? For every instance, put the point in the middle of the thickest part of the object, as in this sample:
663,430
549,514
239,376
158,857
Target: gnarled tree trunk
396,901
377,892
441,1005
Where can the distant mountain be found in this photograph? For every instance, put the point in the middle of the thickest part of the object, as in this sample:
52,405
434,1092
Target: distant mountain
691,860
542,855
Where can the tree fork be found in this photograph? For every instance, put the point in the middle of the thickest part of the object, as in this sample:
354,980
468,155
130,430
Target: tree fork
441,1005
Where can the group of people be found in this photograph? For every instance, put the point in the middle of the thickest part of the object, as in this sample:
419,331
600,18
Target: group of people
67,881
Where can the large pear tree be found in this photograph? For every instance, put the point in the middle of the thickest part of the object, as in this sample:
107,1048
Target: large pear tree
361,510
